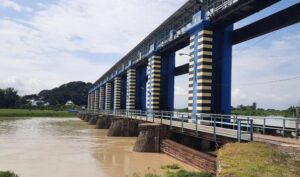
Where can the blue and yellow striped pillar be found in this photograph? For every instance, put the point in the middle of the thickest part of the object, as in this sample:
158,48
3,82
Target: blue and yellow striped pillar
92,101
102,98
153,84
131,89
96,106
117,93
200,71
88,107
108,96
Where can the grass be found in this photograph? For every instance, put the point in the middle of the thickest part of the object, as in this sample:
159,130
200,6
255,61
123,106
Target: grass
33,113
174,170
7,174
255,160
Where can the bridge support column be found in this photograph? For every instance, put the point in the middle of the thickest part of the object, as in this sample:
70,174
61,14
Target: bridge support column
131,89
88,108
141,78
96,105
102,98
167,82
222,63
123,92
200,72
117,93
153,84
108,96
92,101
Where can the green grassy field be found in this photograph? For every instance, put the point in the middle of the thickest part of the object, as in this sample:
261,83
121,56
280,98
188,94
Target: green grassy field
33,113
255,160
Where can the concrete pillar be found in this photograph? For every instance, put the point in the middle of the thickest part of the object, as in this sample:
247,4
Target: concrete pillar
92,101
108,96
102,98
167,82
153,84
96,105
117,93
88,102
131,89
200,71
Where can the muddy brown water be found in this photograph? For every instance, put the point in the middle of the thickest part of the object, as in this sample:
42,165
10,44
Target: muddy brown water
68,147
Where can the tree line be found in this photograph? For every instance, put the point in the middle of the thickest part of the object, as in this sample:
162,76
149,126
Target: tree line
74,91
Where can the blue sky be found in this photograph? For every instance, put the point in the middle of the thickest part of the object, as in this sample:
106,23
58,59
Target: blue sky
47,43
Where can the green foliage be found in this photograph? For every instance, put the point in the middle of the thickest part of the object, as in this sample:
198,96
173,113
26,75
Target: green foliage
8,174
33,113
183,173
8,98
255,160
254,111
75,91
171,167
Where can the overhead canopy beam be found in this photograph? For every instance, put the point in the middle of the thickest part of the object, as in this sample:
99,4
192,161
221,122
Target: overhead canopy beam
183,69
281,19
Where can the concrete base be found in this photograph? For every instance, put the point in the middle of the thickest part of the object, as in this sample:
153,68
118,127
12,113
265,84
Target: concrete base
93,120
148,139
87,118
103,122
122,127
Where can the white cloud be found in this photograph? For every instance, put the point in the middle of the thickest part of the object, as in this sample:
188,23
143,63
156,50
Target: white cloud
40,52
276,59
13,5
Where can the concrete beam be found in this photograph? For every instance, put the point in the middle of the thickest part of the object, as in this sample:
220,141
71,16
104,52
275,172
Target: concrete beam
281,19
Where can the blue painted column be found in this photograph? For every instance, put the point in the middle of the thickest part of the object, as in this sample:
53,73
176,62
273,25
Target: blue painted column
222,70
167,82
141,79
123,92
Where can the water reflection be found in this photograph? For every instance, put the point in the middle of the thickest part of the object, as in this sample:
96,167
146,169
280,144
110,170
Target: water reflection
68,147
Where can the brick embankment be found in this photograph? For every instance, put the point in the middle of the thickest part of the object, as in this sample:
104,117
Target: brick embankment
190,156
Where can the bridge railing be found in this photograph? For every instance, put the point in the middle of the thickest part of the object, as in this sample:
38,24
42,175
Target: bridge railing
218,6
217,125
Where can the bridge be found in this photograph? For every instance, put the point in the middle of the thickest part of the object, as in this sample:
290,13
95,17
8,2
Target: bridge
141,85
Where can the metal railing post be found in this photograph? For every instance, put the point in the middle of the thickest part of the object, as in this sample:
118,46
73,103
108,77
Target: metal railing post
161,117
182,123
215,129
297,122
171,121
238,130
264,126
283,128
251,130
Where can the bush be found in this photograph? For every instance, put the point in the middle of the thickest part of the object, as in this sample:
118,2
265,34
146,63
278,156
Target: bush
8,174
183,173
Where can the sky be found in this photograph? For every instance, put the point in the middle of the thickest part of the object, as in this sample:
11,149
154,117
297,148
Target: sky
46,43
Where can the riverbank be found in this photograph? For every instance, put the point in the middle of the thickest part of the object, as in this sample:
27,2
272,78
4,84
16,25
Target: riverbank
33,113
255,160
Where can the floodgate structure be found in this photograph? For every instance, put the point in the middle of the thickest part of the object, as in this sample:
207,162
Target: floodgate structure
137,93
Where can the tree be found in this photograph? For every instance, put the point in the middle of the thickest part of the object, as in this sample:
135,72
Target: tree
8,98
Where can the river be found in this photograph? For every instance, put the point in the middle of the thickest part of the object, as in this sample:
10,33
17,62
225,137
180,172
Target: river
68,147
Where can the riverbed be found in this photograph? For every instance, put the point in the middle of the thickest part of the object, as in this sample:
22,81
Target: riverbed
68,147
